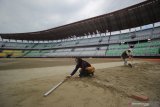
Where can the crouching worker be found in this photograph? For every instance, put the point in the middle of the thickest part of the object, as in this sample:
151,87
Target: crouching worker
127,54
86,68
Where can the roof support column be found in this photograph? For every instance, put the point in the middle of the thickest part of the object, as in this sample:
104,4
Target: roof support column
152,32
140,27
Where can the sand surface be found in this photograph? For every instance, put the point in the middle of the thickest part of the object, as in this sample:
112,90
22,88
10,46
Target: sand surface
22,86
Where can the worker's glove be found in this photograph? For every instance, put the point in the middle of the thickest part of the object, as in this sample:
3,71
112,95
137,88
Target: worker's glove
69,76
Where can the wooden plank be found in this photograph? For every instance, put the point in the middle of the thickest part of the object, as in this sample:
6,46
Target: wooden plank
53,88
139,97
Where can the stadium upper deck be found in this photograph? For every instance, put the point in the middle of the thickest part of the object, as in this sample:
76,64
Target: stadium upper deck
145,42
103,40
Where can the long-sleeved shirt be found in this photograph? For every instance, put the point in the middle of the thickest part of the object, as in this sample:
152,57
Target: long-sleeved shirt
125,54
83,64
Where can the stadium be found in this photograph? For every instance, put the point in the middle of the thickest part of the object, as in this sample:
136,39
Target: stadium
33,62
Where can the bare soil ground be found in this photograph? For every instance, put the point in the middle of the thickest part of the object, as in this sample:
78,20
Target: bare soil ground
24,81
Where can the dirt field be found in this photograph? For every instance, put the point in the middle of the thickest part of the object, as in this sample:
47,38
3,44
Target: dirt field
24,81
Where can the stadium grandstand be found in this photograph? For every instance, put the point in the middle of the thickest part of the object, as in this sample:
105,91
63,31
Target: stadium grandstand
108,35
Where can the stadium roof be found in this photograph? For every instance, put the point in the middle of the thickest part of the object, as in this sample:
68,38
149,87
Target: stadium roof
144,13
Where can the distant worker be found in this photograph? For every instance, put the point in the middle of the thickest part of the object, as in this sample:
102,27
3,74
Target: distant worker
127,54
86,68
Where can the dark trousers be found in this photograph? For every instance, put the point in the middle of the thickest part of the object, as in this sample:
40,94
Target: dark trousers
83,73
124,58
